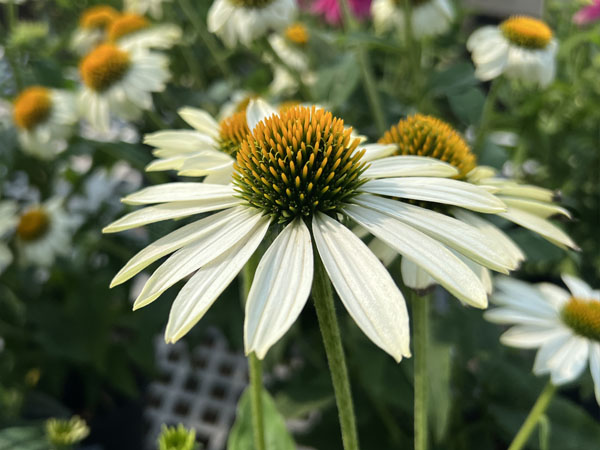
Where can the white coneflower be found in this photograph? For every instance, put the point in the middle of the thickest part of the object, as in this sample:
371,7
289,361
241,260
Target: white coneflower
129,30
428,17
44,232
565,326
299,174
520,48
527,206
119,82
151,7
44,119
244,21
91,30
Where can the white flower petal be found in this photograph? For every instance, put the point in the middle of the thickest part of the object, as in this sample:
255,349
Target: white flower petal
438,190
377,151
457,235
258,110
530,336
569,360
506,315
384,252
409,166
541,209
172,242
204,250
280,288
364,286
180,140
595,367
540,226
180,192
424,251
554,295
414,276
578,288
200,120
166,211
205,286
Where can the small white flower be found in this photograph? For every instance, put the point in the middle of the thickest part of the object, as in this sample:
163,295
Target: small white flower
151,7
43,232
520,48
131,30
300,174
244,21
44,119
429,17
565,326
91,30
119,82
527,206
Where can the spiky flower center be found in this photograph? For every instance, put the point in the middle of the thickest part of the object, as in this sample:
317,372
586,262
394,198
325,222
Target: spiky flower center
298,163
583,317
104,66
32,107
422,135
98,17
172,438
526,32
33,224
126,24
297,33
251,3
233,130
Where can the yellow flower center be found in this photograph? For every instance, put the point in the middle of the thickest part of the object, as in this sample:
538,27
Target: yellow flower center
297,33
526,32
234,130
32,107
98,17
126,24
422,135
104,66
251,3
583,317
287,105
33,224
297,163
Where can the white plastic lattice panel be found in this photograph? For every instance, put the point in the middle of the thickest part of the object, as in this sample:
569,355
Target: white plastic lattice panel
198,388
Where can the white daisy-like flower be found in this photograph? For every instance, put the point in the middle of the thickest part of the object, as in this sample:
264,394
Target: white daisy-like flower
44,118
565,326
44,232
429,17
91,31
119,81
244,21
521,48
209,150
8,222
130,29
527,206
299,174
151,7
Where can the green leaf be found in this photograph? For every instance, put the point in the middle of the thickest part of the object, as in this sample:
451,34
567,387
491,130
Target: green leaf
455,78
23,438
439,367
337,82
467,104
276,434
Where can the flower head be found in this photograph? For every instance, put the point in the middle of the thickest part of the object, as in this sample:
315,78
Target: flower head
177,438
588,14
428,17
331,9
564,326
93,24
32,107
125,24
62,432
104,66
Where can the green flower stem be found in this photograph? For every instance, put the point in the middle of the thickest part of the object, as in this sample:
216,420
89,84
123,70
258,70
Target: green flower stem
486,115
420,306
323,299
366,71
414,53
255,366
534,417
11,21
206,37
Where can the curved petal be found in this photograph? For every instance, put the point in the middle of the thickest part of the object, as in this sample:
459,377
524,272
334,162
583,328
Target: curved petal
569,360
409,166
595,367
364,286
529,336
258,110
200,120
578,288
438,190
377,151
280,288
179,140
540,209
414,277
205,286
180,192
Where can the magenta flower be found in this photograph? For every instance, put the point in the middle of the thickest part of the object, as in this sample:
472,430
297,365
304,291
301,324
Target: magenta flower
331,9
588,14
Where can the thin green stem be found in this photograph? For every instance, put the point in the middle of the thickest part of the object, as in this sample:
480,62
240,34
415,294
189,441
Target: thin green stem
486,115
414,54
366,71
255,366
256,401
533,418
323,299
420,327
206,37
11,21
